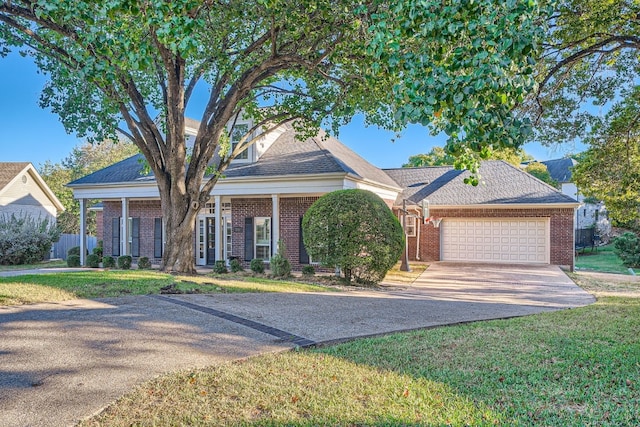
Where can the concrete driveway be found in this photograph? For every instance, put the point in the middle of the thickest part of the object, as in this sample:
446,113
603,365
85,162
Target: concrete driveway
63,362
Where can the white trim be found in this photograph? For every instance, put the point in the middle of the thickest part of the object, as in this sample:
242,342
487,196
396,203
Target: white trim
255,237
39,181
83,231
508,206
218,228
275,223
124,227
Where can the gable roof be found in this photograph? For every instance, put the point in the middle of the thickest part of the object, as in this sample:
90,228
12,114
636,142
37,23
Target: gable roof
560,169
11,171
285,157
500,183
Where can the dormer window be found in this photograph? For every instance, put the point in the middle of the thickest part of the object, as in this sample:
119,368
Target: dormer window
239,131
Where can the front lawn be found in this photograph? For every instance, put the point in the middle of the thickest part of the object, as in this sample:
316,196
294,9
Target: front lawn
113,283
44,264
604,260
567,368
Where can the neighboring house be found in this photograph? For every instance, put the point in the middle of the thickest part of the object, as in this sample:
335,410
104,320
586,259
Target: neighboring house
588,214
23,192
511,217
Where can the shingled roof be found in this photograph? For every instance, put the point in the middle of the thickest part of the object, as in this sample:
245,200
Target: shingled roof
286,156
501,183
560,169
9,170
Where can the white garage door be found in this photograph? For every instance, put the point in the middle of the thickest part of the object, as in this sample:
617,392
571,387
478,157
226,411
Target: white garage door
509,240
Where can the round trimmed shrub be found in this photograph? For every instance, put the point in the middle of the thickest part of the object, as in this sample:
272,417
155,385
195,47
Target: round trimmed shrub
93,261
74,251
220,267
108,262
236,265
98,250
73,260
124,262
356,231
144,263
308,270
257,265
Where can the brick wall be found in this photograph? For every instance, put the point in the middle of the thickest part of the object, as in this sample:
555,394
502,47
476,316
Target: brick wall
241,209
561,231
146,210
99,225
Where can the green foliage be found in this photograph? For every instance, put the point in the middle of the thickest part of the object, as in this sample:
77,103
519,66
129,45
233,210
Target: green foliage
438,156
279,264
124,262
83,160
74,250
257,266
610,171
356,231
98,250
235,265
308,270
113,67
590,61
540,171
93,261
24,239
108,262
73,261
144,263
220,267
627,247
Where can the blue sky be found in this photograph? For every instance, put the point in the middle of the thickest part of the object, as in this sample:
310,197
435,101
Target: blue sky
29,133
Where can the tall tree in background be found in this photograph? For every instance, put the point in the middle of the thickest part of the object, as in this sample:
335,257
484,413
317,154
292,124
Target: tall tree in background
590,60
83,160
438,156
459,67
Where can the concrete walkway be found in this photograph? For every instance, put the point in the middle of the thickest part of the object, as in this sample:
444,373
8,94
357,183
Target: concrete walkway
62,362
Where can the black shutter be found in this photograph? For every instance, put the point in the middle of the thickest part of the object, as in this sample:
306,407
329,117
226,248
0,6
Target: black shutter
304,256
157,237
248,239
135,236
115,236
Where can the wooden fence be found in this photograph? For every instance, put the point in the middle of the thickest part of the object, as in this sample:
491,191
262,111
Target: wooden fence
67,241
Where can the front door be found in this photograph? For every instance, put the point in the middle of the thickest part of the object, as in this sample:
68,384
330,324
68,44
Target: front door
211,240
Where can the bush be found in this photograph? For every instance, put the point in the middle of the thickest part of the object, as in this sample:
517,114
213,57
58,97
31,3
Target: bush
308,270
73,251
144,263
98,251
108,262
220,267
93,260
25,240
257,265
124,262
280,265
73,261
236,265
356,231
627,247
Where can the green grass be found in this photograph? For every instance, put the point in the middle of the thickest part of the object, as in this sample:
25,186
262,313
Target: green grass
405,277
568,368
114,283
43,264
604,260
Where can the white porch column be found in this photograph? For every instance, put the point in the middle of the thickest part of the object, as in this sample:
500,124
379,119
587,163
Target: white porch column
218,224
83,231
124,235
275,223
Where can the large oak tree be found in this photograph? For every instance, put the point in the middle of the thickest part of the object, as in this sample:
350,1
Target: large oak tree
132,66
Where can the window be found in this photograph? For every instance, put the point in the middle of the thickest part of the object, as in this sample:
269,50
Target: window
239,131
157,238
133,237
410,226
262,227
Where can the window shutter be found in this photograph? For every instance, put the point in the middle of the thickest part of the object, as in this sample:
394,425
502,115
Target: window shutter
304,256
157,237
135,236
248,239
115,236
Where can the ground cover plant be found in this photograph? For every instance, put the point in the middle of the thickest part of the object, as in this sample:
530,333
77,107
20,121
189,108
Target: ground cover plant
114,283
604,259
567,368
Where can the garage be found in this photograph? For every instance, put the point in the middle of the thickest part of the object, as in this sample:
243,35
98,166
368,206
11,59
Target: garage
503,240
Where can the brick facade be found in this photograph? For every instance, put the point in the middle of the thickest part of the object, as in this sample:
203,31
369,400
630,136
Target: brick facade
146,210
560,222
